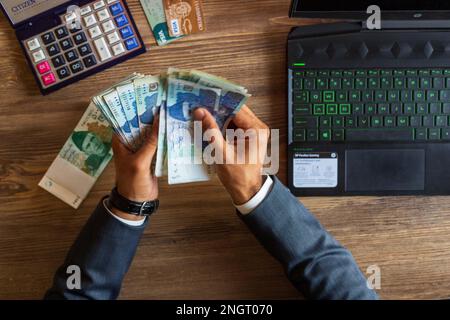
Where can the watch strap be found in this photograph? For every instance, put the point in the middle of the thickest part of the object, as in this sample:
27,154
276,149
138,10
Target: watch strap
143,209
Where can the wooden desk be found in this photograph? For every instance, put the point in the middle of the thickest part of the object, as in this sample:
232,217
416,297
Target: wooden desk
196,247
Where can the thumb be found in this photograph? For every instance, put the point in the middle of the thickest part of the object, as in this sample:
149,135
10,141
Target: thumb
245,119
148,148
208,121
209,125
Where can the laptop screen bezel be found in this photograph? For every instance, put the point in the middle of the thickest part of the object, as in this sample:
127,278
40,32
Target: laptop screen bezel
361,15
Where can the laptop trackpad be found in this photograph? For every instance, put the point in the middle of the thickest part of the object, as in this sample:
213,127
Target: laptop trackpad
385,170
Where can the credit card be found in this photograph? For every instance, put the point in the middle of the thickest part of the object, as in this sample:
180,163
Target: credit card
184,17
154,11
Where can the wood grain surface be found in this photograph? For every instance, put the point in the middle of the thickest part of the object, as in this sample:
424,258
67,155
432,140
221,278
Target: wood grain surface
195,247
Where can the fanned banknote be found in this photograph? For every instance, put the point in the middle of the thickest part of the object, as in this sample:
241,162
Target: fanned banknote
81,160
129,109
148,96
108,101
161,155
232,96
132,105
127,99
182,98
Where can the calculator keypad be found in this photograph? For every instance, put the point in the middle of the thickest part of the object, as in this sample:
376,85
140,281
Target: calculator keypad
118,49
108,26
99,5
44,67
66,44
85,10
59,54
90,61
63,72
48,38
76,67
61,32
33,44
79,38
113,37
103,15
95,32
38,56
58,61
53,49
85,49
71,55
121,20
49,79
102,49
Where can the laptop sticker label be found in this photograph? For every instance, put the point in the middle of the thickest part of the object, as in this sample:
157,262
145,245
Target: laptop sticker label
315,170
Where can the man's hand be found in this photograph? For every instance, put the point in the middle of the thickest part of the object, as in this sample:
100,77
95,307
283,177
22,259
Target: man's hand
242,181
134,178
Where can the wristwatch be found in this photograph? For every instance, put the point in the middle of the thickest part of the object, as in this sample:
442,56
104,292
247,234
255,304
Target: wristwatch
143,209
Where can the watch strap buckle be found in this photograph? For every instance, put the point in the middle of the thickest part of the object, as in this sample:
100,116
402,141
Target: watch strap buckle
142,208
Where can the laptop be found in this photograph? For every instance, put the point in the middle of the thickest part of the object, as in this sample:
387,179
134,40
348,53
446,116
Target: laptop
65,41
369,110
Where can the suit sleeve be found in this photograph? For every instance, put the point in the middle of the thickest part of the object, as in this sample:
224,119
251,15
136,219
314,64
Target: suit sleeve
314,261
103,251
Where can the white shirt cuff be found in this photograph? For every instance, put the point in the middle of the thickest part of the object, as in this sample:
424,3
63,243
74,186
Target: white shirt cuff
254,202
132,223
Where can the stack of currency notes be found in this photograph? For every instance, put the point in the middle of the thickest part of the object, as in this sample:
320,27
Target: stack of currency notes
82,159
173,19
129,109
131,106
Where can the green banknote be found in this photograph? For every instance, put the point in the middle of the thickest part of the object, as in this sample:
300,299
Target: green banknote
161,155
232,96
182,98
148,99
81,160
109,103
129,109
154,11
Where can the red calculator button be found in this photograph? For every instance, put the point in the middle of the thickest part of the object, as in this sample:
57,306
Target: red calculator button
43,67
49,79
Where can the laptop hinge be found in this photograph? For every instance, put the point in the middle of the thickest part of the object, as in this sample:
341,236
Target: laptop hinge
411,24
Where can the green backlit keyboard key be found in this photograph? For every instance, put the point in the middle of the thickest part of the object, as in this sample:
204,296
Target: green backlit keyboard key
328,96
344,109
319,109
322,84
332,109
325,135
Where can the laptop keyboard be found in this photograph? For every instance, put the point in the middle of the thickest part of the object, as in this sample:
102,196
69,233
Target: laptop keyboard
371,105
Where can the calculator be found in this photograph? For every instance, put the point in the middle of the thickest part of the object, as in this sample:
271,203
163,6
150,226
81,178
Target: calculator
60,51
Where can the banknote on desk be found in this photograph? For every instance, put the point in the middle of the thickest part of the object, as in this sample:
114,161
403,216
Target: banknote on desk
82,159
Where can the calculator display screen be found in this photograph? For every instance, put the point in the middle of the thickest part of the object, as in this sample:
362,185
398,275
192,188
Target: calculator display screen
21,10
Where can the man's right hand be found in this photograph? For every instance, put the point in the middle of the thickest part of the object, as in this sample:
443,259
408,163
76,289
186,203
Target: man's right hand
242,181
134,178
